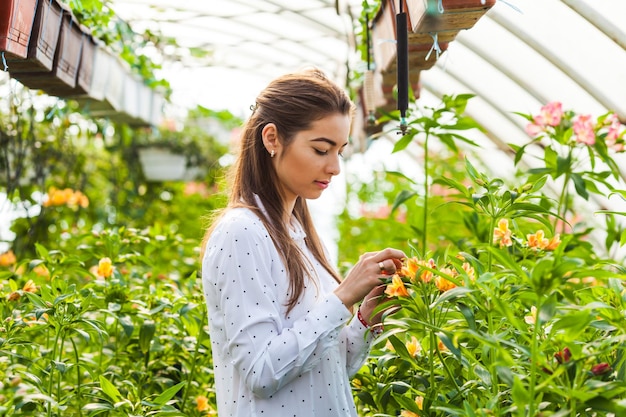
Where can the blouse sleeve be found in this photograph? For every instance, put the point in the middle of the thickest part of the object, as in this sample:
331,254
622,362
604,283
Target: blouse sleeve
358,340
239,263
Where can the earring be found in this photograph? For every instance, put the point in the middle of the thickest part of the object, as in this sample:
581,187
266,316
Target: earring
272,153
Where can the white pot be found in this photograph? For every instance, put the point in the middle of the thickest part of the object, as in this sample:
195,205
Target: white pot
161,164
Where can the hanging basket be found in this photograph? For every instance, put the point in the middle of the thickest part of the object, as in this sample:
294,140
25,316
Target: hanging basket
161,164
16,25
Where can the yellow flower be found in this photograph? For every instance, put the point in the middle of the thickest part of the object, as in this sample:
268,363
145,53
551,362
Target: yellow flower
502,233
532,317
202,403
419,400
396,288
413,347
30,286
469,270
7,258
389,346
105,268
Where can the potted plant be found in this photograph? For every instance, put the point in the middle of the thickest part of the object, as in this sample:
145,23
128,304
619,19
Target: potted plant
187,151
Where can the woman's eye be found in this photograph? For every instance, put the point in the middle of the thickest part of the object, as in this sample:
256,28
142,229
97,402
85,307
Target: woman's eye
320,152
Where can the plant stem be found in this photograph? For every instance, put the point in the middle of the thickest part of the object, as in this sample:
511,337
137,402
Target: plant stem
54,355
78,379
533,363
425,215
192,371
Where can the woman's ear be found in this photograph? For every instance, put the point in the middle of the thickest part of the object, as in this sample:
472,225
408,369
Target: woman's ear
270,138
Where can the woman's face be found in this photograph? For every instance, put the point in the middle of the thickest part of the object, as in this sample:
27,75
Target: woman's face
306,167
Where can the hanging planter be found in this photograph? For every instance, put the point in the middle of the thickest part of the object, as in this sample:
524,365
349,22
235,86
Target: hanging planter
62,79
86,66
436,16
16,25
44,38
162,164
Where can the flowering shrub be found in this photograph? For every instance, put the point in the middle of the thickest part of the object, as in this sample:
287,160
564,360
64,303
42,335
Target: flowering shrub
504,310
107,328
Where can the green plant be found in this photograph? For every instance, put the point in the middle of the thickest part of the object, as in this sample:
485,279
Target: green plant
520,317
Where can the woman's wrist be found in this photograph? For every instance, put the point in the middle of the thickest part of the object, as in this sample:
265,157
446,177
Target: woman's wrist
375,328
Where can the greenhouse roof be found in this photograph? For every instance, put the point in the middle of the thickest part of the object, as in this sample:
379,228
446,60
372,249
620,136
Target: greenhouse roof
517,57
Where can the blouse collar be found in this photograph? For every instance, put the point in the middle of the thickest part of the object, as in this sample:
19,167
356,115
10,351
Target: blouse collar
296,231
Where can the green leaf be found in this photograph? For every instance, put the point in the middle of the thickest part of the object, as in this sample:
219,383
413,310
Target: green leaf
146,333
109,389
580,186
402,143
401,198
169,393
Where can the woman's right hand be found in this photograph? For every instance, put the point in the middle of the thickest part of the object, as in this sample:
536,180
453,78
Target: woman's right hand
367,273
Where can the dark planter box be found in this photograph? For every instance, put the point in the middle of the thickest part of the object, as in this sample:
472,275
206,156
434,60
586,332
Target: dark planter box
16,25
43,39
61,80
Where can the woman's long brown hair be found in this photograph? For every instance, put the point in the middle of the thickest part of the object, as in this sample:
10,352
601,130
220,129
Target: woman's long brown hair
292,102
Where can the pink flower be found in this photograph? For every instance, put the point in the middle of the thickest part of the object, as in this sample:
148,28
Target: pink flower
552,113
614,126
549,115
583,130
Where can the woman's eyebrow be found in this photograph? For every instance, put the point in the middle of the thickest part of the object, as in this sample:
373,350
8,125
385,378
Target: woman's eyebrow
329,141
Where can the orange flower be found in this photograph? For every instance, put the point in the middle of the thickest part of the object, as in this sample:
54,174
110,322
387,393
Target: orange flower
41,271
105,268
410,268
77,199
7,258
537,240
67,197
202,403
30,287
396,288
413,347
443,283
502,233
441,346
419,400
554,242
427,275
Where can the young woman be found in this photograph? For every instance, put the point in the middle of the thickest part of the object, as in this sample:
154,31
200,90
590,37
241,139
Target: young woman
284,338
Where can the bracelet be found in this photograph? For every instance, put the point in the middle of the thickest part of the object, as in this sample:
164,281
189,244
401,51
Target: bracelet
376,330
